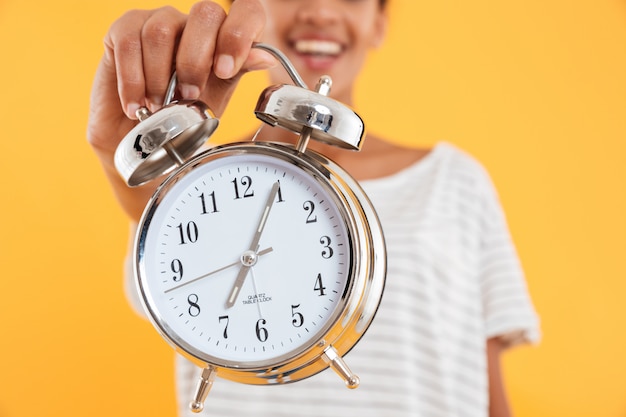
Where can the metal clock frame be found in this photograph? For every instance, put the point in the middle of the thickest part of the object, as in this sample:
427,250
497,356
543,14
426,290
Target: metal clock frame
351,317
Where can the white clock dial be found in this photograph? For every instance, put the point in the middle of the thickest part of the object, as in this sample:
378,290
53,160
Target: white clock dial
245,260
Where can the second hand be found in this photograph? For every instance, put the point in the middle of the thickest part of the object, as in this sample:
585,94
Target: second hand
263,252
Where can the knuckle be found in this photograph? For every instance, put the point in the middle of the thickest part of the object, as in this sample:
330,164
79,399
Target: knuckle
159,32
192,72
251,6
248,21
208,12
186,67
128,45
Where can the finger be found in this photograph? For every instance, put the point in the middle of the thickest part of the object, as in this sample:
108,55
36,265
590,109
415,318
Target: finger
243,25
258,59
219,91
159,39
194,58
123,50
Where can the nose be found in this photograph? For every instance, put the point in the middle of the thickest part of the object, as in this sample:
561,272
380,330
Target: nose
318,12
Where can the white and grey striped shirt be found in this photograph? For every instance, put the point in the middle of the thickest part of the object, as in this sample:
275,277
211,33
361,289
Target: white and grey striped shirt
454,280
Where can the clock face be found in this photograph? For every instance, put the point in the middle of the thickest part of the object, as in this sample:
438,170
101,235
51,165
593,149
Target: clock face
245,261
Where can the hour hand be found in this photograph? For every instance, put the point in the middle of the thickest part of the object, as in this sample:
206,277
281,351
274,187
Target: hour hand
247,259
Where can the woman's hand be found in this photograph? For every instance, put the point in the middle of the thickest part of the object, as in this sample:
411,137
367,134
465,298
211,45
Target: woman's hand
209,49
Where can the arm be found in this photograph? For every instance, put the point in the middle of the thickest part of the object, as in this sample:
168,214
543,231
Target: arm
498,404
210,51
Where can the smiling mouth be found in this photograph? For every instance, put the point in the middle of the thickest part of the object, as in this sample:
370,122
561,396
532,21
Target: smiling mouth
318,47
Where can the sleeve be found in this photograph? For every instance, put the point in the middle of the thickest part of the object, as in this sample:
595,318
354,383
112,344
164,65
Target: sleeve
508,310
130,289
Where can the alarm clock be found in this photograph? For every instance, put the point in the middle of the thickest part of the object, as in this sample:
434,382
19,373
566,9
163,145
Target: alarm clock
261,262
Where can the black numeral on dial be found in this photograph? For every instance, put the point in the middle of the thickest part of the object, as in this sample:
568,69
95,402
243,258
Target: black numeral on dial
310,207
246,186
177,269
328,252
188,233
298,318
208,204
194,308
319,286
261,332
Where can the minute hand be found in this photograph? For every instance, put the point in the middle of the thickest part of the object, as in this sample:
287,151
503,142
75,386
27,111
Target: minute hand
243,272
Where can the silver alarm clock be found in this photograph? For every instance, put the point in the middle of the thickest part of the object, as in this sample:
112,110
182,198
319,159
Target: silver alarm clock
261,262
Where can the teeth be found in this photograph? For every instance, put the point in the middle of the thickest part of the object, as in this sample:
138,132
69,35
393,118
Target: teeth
318,47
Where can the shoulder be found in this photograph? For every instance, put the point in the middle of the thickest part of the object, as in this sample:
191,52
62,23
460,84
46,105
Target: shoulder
458,160
449,165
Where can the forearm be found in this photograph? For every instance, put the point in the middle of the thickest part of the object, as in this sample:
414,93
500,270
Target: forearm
498,402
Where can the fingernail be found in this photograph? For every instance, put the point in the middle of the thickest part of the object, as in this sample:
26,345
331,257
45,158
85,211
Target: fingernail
190,92
131,110
224,66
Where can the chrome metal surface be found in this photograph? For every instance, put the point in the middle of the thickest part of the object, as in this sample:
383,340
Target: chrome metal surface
323,88
163,141
295,108
171,89
202,390
338,365
282,58
323,85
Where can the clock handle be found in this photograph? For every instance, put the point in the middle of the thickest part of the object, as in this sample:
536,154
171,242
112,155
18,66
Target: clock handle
202,390
284,61
336,362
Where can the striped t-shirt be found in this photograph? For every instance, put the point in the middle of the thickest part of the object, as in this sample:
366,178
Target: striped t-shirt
454,280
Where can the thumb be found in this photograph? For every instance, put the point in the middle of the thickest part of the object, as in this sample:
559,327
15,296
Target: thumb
218,91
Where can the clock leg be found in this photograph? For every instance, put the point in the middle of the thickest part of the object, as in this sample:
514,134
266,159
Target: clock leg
202,390
336,362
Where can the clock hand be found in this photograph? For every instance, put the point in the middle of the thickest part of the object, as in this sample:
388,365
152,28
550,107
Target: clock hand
248,258
258,304
263,252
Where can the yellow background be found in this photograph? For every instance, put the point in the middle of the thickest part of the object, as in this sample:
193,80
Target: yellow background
535,89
